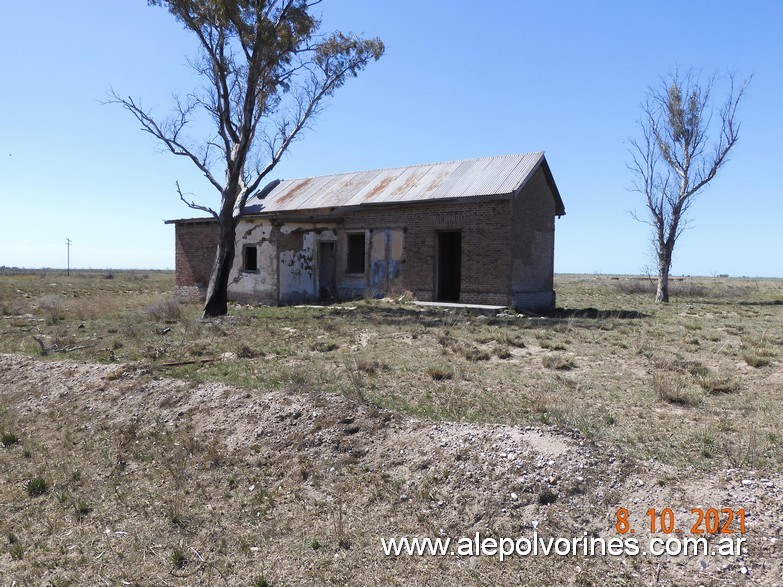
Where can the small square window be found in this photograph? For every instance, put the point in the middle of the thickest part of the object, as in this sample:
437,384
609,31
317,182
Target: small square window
249,258
356,253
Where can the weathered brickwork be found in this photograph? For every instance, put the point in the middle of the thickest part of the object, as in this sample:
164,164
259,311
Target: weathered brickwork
507,250
533,245
485,245
195,246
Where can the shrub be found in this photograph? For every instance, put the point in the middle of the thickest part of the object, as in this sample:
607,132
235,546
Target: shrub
167,310
53,307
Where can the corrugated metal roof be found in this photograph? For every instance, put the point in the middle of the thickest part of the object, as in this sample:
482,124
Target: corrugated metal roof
487,176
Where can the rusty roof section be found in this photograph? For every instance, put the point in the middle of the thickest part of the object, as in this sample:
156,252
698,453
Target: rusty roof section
484,177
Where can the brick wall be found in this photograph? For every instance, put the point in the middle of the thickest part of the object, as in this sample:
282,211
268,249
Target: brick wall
195,246
486,241
533,249
507,247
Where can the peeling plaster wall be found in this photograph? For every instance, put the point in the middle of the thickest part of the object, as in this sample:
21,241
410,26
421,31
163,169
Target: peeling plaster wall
298,260
385,261
255,286
384,258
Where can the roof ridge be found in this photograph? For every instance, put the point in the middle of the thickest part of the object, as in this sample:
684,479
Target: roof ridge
471,159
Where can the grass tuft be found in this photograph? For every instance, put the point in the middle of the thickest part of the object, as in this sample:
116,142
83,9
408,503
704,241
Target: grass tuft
9,439
16,549
36,486
324,347
675,389
558,362
439,373
178,558
82,508
717,384
756,360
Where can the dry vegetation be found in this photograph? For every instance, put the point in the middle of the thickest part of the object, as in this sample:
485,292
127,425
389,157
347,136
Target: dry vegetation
114,472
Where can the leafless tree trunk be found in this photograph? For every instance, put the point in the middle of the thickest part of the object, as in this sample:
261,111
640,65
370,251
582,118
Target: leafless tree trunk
267,70
674,158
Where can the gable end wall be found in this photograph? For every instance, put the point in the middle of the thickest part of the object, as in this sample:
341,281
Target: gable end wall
533,250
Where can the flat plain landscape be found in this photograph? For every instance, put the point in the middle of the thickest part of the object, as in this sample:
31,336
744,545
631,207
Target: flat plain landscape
277,446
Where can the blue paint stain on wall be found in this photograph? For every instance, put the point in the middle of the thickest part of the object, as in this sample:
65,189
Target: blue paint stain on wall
378,273
395,269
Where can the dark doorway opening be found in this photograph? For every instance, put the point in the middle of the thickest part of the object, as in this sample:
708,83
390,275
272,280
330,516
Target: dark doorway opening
327,271
356,253
449,271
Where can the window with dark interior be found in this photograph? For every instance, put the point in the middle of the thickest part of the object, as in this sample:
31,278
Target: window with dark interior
250,258
356,253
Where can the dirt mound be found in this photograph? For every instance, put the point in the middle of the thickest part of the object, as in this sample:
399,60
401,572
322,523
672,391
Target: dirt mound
200,483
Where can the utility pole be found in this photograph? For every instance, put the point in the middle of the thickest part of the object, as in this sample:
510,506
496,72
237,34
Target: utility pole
68,244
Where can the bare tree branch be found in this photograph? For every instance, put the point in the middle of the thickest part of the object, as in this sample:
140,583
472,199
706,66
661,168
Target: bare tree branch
168,136
193,205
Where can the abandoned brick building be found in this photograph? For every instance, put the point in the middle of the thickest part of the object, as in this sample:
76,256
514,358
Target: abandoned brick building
479,231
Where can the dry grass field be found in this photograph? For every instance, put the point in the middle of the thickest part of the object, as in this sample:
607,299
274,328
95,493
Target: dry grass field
277,446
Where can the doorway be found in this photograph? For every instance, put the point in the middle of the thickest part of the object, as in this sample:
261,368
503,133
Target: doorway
449,266
327,271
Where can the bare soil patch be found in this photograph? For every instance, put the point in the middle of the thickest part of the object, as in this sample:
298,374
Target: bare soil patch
185,484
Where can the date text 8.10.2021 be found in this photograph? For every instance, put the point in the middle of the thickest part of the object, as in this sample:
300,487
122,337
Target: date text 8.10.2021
710,521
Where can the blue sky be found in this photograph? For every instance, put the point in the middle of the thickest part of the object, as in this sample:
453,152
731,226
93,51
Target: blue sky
460,79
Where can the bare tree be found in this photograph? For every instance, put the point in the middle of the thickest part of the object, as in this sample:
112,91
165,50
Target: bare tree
266,71
675,157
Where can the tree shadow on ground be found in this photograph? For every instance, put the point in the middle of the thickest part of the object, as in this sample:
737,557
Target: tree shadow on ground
405,315
594,314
